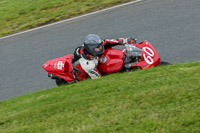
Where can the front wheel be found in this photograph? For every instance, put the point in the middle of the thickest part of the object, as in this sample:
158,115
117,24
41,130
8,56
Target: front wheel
165,63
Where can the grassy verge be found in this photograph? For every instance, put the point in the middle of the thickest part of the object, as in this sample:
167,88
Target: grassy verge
164,99
18,15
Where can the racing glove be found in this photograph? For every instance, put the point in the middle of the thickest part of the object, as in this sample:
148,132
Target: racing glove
127,40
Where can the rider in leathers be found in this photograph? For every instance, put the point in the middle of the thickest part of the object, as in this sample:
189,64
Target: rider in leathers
85,58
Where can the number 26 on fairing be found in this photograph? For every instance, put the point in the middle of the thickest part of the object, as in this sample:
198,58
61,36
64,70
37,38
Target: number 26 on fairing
148,55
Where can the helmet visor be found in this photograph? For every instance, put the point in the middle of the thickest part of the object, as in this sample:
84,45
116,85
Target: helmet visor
98,49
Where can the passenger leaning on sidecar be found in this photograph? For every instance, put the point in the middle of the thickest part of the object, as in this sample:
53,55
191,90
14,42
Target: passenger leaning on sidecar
85,57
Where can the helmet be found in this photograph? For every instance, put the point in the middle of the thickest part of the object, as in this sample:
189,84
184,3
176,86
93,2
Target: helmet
94,45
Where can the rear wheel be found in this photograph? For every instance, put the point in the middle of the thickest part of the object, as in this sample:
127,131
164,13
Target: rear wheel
60,82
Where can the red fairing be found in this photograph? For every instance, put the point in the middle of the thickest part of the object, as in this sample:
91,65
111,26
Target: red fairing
111,61
60,67
150,56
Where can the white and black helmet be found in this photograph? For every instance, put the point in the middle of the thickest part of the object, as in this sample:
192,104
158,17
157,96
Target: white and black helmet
94,45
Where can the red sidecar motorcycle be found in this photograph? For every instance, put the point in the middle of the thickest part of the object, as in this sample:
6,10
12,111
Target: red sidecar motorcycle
141,55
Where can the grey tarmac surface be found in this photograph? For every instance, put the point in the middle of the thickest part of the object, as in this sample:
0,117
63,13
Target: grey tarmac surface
171,26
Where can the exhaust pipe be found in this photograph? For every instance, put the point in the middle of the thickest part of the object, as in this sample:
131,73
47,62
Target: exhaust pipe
53,76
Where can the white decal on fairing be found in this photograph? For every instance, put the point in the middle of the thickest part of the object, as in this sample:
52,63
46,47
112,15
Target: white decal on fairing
45,65
55,65
149,56
60,65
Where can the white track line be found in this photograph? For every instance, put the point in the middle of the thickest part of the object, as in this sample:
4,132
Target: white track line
125,4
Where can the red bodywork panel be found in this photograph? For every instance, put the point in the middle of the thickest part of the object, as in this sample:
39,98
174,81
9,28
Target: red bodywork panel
114,61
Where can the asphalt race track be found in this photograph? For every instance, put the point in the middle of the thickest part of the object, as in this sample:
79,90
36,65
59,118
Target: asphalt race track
171,26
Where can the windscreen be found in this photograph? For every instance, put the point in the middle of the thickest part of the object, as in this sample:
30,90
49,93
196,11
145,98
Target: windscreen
133,51
132,55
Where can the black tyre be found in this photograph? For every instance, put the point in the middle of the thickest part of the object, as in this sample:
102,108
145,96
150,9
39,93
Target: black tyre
165,63
60,82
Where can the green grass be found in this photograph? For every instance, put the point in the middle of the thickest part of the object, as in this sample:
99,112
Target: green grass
164,99
19,15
